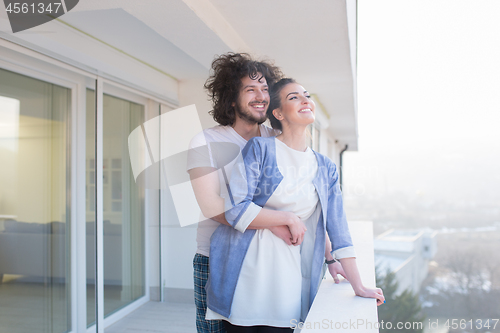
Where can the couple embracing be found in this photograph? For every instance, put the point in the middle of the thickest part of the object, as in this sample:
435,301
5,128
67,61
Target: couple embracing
275,213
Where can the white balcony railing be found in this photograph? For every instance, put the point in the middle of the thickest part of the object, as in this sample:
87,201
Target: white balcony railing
336,308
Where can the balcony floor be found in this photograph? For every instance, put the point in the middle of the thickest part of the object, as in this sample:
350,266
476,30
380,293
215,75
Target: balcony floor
156,317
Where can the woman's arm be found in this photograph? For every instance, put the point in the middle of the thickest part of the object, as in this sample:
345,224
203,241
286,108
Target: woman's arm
342,247
335,268
352,273
241,211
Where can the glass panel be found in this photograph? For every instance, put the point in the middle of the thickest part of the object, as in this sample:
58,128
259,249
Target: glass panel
116,192
90,214
34,205
116,163
124,221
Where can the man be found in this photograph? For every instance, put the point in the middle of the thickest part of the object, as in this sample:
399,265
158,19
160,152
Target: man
239,89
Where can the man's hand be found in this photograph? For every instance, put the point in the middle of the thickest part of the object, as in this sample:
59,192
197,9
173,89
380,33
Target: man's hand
335,269
282,232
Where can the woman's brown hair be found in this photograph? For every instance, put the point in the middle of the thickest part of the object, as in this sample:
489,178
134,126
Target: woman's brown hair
275,103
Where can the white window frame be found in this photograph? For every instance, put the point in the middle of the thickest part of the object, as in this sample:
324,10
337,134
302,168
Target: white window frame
39,66
23,67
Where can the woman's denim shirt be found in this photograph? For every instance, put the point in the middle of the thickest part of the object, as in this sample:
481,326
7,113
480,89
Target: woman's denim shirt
254,179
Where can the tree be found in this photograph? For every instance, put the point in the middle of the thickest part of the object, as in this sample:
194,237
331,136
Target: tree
404,308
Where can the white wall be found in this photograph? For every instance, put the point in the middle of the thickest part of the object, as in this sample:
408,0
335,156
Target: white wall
351,8
179,243
192,92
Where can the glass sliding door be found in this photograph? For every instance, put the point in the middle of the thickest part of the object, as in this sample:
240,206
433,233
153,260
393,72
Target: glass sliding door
123,208
90,204
40,233
34,205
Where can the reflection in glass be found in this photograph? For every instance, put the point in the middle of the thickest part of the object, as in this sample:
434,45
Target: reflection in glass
123,208
124,219
34,205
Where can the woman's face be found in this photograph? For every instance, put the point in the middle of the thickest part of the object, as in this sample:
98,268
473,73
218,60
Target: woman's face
297,107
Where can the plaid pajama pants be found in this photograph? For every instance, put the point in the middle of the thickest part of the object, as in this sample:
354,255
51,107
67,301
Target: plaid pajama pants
200,265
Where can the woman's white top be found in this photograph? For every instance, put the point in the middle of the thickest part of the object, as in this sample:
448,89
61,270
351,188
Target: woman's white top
269,288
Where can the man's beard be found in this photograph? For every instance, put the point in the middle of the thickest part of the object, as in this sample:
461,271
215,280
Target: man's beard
249,117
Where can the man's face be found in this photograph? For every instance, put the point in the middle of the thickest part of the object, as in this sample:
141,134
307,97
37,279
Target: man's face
253,100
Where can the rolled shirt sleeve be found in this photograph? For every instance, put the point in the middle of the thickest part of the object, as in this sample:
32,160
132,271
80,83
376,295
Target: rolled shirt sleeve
345,252
336,222
247,217
240,210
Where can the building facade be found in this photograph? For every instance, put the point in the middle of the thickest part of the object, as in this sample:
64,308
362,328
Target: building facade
407,254
83,242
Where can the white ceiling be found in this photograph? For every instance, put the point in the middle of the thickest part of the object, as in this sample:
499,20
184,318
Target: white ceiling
308,40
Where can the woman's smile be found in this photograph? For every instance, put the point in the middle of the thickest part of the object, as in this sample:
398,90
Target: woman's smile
297,107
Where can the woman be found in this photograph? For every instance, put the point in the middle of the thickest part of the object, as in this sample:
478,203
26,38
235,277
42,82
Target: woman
257,282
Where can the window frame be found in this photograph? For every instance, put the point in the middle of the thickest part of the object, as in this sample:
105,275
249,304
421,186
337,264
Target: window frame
25,61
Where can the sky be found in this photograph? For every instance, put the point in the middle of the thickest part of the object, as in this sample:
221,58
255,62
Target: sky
428,101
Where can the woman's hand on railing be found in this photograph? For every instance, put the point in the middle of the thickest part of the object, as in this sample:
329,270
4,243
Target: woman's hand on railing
352,273
336,269
376,293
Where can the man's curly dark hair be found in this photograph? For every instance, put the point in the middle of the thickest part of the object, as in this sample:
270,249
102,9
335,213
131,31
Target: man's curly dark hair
224,83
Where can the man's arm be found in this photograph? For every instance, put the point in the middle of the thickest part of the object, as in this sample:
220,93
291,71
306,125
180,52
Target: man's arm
205,183
206,187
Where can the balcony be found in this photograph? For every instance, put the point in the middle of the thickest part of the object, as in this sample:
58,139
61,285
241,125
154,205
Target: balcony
156,317
335,308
